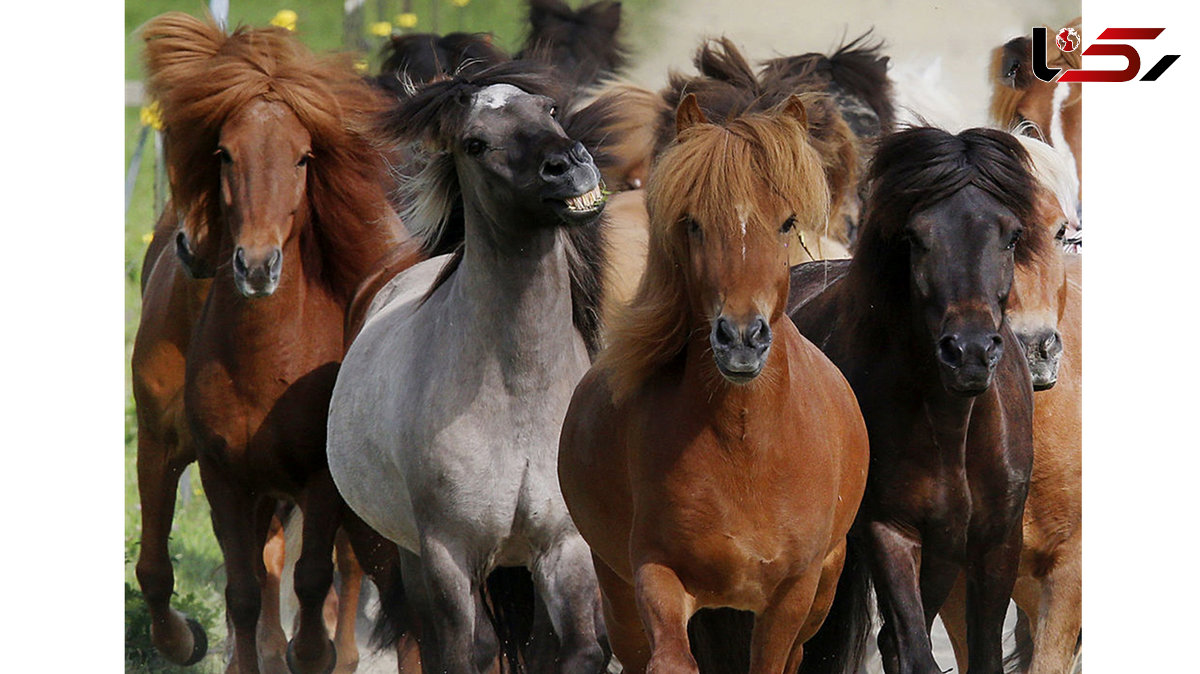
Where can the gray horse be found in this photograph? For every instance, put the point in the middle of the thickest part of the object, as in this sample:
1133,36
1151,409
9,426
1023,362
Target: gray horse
444,423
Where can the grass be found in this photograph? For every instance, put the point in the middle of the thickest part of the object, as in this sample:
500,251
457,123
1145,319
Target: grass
199,574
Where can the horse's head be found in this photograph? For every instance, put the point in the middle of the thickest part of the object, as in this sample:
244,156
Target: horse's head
512,156
952,210
731,198
263,150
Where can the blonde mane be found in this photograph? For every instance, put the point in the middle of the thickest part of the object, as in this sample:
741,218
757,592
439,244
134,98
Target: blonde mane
701,175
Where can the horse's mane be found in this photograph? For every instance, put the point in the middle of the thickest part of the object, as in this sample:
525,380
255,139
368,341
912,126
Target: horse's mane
433,117
912,170
707,170
423,57
855,68
582,43
728,86
1056,173
201,76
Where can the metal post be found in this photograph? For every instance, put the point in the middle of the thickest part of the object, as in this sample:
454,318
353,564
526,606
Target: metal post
353,26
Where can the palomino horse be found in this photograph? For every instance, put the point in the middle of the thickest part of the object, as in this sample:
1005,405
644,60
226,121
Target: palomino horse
917,326
443,428
582,45
713,457
269,157
1045,313
1018,96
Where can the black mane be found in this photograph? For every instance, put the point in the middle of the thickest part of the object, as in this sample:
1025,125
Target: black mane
583,44
424,57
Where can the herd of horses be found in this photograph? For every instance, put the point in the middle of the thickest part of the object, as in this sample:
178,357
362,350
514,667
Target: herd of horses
701,380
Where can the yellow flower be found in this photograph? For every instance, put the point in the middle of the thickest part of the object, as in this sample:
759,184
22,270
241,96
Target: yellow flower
406,20
380,28
360,66
147,237
285,18
151,115
461,3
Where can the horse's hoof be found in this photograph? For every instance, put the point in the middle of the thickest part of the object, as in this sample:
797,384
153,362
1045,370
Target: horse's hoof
295,668
199,643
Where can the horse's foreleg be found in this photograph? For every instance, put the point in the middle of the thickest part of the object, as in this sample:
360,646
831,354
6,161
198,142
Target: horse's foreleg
895,566
665,608
991,573
954,619
233,511
179,638
621,619
311,651
272,642
450,586
1060,614
776,645
347,616
566,583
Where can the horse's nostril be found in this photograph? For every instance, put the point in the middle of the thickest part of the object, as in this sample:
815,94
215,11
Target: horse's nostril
724,334
239,261
554,167
949,351
995,349
275,262
758,334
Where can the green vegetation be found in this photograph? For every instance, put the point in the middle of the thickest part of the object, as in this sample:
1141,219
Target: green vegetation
199,573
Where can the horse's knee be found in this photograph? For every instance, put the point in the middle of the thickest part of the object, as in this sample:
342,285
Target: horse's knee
313,579
156,580
244,604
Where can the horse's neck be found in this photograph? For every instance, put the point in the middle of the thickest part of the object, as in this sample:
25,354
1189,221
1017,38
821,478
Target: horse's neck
300,307
516,295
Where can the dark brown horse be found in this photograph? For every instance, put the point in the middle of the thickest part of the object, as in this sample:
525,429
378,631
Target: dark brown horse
917,326
713,457
581,44
417,58
269,157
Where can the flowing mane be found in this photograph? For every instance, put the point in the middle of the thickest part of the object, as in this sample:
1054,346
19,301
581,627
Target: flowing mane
707,170
433,118
857,69
1009,88
201,76
423,57
1056,173
912,170
728,85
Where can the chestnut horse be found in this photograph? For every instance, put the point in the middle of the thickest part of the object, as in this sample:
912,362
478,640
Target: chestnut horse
1045,312
917,326
1055,110
269,160
713,457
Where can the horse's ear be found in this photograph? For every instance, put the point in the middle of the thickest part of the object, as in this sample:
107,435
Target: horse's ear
688,114
609,17
793,107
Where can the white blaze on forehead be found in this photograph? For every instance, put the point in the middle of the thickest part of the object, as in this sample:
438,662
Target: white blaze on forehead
740,209
495,96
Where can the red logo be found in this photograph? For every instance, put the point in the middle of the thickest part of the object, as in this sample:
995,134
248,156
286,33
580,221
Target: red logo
1068,40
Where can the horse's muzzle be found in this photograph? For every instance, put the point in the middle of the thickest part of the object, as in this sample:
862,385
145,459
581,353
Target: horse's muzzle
1043,352
740,351
257,274
967,360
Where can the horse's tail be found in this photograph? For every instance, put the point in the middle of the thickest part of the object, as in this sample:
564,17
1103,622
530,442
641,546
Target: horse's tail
839,645
508,599
720,640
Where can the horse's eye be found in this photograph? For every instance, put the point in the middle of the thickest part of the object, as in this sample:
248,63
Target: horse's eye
1013,239
553,110
788,225
693,227
304,159
474,146
223,155
1062,232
